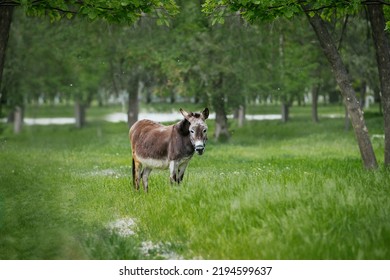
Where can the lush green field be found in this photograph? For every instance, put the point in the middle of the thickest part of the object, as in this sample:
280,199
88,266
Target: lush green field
274,191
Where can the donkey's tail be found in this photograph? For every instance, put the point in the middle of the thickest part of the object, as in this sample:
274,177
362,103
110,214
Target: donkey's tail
133,171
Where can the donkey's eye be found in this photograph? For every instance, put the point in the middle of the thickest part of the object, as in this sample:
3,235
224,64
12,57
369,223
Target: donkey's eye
204,130
192,131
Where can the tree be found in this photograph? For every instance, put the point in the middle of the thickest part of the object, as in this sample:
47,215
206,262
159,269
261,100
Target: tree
84,63
5,24
343,80
213,59
50,60
293,61
314,11
115,11
382,46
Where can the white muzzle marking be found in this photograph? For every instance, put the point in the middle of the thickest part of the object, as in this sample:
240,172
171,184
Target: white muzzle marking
199,147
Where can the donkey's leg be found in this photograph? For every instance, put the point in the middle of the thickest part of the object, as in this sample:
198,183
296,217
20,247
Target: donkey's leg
137,166
173,170
182,169
145,174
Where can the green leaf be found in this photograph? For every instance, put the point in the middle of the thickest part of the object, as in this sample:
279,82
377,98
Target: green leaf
92,15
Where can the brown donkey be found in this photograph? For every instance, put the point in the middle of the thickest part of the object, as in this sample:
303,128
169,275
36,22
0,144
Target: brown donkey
157,146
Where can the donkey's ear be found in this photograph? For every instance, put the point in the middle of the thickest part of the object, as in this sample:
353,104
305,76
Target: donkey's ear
184,113
205,113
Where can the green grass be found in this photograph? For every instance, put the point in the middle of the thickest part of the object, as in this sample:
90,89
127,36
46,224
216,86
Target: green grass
274,191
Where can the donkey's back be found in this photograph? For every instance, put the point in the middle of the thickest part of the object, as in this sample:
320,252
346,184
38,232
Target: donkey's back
149,143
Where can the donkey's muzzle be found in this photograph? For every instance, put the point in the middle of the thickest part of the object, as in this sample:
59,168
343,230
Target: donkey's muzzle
199,149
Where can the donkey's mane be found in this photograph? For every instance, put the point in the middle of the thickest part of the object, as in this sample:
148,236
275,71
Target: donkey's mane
196,115
184,127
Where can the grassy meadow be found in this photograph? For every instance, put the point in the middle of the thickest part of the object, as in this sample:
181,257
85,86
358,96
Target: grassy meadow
273,191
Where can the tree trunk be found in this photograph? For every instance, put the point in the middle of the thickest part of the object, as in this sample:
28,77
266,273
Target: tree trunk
148,96
18,119
377,97
363,94
382,46
285,111
5,25
314,103
221,124
79,112
133,108
239,115
347,122
172,97
347,91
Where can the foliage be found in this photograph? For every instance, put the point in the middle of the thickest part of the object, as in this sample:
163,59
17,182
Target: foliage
117,11
254,10
360,58
386,11
43,71
257,197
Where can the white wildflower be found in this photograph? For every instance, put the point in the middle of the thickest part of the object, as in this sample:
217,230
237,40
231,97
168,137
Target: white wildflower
123,227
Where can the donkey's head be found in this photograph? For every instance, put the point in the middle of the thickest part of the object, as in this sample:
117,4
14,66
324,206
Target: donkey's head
197,129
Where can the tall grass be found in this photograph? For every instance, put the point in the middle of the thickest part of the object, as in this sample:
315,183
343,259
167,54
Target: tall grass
274,191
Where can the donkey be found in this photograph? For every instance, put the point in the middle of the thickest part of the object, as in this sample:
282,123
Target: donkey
157,146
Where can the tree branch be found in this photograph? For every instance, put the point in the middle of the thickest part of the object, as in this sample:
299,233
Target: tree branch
343,32
9,4
376,2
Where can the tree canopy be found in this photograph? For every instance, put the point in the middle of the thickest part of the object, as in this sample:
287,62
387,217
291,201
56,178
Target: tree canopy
255,10
116,11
